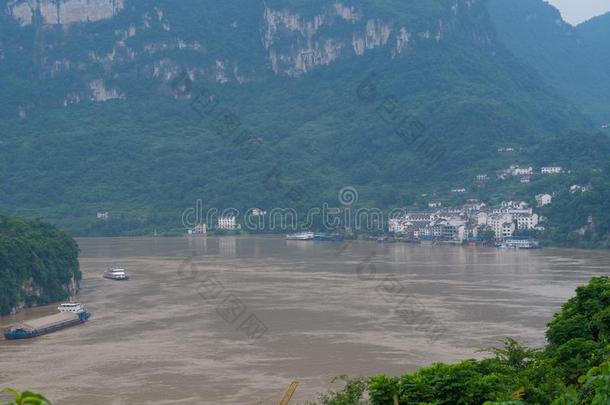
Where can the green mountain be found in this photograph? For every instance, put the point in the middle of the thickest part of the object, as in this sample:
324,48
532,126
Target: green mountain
574,60
38,264
140,108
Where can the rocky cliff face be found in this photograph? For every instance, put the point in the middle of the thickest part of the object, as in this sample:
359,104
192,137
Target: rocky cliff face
153,42
32,294
306,46
39,264
63,12
87,100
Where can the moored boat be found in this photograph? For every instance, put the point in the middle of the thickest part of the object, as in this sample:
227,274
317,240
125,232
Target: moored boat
325,237
521,243
70,314
301,236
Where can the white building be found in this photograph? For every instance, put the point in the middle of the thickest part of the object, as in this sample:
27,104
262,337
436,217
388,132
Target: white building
512,207
523,171
482,218
579,188
508,229
502,224
434,204
551,170
482,177
227,223
455,229
199,229
397,225
544,199
526,221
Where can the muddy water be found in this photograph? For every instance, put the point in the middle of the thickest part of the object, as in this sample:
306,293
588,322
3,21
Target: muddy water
243,316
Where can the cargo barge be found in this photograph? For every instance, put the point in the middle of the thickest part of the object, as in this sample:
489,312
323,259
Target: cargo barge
70,314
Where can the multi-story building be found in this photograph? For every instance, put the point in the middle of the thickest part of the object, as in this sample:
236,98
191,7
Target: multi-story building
228,223
199,229
544,199
508,229
397,225
526,221
502,224
523,171
459,223
551,170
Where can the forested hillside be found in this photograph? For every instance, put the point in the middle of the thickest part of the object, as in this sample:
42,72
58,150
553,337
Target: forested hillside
103,106
38,264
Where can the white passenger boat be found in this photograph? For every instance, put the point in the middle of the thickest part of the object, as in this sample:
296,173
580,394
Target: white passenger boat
116,274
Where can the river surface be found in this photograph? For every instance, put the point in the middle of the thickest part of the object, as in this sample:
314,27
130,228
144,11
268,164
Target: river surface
234,320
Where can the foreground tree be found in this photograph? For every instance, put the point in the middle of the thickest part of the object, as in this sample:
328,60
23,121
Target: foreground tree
25,398
573,369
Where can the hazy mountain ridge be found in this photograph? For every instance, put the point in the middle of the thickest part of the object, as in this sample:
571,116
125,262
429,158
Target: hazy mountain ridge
572,59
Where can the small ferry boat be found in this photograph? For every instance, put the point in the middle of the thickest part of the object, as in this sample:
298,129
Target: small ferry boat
116,274
301,236
520,243
70,314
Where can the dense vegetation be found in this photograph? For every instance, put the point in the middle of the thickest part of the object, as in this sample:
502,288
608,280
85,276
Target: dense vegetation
38,263
24,398
573,369
149,156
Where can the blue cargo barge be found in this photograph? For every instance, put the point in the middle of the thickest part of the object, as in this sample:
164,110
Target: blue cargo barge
70,314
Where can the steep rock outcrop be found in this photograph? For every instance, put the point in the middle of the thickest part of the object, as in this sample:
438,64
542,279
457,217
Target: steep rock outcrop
64,11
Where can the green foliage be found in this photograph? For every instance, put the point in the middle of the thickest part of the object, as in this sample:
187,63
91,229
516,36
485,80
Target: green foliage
25,398
147,158
382,389
578,334
571,370
37,263
351,394
514,354
583,315
598,380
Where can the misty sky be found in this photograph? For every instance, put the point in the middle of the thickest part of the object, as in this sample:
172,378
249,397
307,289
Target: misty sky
577,11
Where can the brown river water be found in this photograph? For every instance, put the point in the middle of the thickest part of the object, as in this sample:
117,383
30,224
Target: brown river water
234,320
